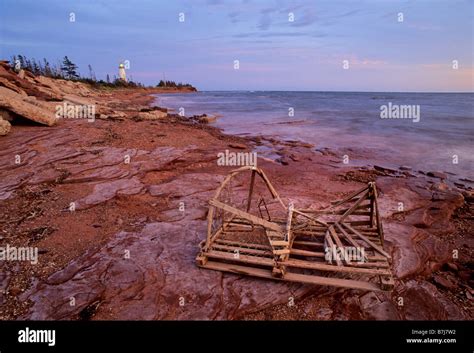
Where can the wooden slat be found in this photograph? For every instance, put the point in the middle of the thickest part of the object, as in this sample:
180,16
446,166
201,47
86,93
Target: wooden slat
279,243
370,264
331,246
358,223
310,217
243,258
306,253
350,196
274,235
307,232
292,277
377,215
368,241
332,268
362,209
354,206
308,243
332,232
347,236
271,188
241,244
245,215
241,250
281,252
252,181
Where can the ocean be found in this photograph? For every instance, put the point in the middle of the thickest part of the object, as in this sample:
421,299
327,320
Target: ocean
427,131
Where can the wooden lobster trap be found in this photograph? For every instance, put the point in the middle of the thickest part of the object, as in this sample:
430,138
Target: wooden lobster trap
252,232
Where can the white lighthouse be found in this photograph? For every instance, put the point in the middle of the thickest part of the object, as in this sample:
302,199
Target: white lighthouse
122,74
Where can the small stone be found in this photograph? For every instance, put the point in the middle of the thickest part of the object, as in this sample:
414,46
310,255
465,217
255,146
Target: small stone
294,157
384,169
283,160
15,290
405,167
438,197
307,145
439,175
464,275
468,196
452,267
443,282
5,127
207,119
468,180
238,146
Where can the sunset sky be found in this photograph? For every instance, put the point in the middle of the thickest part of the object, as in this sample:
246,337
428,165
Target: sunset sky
273,52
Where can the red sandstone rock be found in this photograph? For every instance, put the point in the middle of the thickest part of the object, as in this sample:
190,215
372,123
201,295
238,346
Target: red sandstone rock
18,104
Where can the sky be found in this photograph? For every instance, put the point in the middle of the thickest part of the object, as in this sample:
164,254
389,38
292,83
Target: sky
351,45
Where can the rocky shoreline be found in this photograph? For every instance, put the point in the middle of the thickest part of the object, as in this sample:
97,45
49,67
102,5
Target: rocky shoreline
117,208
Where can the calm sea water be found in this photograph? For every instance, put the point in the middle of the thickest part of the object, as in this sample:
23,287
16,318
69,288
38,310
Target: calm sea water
342,120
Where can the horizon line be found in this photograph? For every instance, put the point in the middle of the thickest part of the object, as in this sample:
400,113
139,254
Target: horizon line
333,91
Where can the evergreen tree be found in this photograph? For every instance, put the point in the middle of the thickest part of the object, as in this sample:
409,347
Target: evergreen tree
34,67
47,68
91,73
69,69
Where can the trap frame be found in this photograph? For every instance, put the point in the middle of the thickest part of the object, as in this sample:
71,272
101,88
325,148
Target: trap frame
254,236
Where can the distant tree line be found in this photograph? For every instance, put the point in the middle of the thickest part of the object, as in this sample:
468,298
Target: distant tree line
67,70
173,84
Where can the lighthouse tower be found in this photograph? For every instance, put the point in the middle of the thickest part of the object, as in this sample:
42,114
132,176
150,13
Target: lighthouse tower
122,74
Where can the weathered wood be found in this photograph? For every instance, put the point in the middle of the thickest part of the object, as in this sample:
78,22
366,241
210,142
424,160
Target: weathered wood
377,215
387,282
271,188
332,268
243,214
362,210
232,249
310,217
353,207
252,182
279,243
350,196
306,253
308,243
285,254
368,241
292,277
347,236
281,251
254,260
331,246
338,241
240,244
